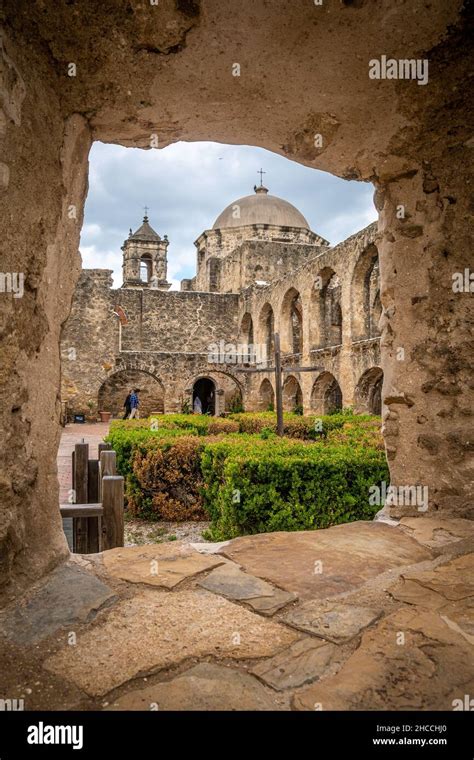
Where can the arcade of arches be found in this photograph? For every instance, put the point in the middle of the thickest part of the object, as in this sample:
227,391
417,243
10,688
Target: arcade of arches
412,142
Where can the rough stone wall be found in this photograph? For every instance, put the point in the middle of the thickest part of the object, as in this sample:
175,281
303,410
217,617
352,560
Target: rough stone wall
182,323
263,261
41,211
413,142
346,361
169,323
224,245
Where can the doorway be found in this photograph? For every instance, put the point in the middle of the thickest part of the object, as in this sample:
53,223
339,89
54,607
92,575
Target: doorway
205,390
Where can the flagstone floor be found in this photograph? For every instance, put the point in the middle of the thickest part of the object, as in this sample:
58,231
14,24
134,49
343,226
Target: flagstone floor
358,616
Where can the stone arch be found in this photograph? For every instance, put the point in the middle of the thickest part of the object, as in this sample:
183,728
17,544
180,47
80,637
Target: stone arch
326,394
266,329
228,389
292,394
365,295
266,395
326,311
291,317
368,392
369,121
204,395
114,389
246,335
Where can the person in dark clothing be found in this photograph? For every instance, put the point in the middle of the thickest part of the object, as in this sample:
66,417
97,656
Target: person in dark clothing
134,404
128,405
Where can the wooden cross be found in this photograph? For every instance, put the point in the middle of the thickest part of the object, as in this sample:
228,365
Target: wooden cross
278,371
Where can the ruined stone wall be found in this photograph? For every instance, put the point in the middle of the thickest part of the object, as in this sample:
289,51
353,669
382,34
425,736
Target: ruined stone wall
264,261
346,361
225,245
174,323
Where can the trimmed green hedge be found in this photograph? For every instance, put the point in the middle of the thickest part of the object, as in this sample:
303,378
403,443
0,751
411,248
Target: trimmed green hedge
264,490
250,482
310,428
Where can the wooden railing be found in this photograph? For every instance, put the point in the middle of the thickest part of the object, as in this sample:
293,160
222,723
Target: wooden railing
96,503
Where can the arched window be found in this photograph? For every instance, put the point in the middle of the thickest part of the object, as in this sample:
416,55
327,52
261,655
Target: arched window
292,323
365,295
145,269
266,329
246,337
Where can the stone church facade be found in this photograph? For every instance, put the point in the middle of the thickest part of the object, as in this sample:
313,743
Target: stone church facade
260,270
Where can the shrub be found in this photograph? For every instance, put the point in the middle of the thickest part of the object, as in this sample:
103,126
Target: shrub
124,440
166,480
269,489
235,404
315,476
295,425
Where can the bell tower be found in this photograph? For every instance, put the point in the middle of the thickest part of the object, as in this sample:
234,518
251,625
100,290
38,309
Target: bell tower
145,260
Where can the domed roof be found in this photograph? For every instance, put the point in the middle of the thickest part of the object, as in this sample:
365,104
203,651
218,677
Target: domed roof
261,208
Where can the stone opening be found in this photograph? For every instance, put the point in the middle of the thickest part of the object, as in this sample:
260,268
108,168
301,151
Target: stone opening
113,391
368,395
326,395
412,142
266,396
292,395
204,396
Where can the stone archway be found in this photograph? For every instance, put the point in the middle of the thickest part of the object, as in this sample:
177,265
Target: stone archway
326,394
292,395
368,393
204,396
53,118
113,391
266,401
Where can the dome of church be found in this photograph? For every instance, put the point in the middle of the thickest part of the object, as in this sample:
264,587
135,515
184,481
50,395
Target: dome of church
261,208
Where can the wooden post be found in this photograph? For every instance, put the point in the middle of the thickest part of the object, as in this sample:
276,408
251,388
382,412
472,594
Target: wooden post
107,466
104,447
80,532
112,516
93,524
278,388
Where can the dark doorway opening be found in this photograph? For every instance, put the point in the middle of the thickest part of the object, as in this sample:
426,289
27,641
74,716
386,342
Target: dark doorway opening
205,390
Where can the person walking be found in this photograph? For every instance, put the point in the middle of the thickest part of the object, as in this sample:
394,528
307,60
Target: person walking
127,406
134,404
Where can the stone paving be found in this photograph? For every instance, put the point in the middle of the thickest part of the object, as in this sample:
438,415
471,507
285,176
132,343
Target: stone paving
359,616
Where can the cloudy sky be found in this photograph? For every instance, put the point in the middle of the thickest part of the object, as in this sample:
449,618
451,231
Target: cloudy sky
187,185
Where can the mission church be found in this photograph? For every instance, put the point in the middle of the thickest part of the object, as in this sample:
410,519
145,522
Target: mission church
260,270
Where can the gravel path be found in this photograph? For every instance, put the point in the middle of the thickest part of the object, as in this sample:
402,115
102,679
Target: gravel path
139,532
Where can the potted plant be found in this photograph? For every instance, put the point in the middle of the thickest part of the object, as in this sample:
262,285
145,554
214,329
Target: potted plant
91,416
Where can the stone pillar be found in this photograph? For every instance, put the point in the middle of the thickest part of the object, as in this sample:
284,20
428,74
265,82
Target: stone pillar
427,332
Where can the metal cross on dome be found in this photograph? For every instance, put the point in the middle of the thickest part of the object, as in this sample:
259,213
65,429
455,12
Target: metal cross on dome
261,172
146,210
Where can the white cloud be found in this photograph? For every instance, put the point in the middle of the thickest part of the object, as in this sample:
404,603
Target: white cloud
187,185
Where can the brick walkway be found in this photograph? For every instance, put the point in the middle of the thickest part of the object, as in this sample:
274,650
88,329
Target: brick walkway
91,433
